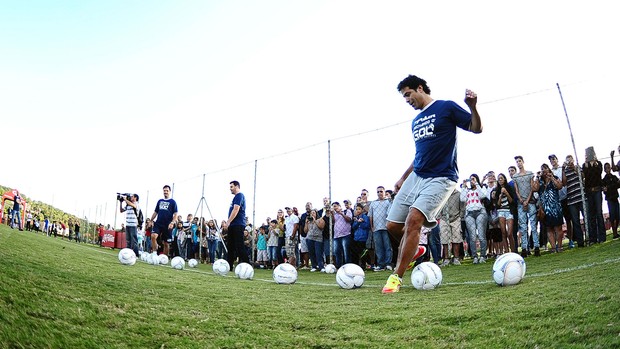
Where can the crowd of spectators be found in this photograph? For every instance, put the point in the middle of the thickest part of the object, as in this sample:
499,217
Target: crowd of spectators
524,211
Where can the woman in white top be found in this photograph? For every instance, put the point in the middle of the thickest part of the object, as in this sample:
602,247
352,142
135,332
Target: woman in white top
476,218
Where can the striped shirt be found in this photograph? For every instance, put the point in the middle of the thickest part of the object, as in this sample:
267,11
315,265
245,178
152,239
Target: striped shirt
573,191
131,220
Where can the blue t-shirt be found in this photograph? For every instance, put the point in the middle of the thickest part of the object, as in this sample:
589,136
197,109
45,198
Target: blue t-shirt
434,133
16,200
239,199
165,209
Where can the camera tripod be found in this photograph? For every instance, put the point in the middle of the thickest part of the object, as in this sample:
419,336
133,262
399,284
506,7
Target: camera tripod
202,202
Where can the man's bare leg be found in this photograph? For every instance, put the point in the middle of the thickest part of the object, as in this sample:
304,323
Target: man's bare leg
154,245
410,232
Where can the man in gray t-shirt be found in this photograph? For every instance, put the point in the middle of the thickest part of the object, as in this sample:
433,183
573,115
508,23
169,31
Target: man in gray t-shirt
378,213
525,186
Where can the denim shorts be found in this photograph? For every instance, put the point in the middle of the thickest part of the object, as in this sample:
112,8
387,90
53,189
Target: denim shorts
505,213
428,195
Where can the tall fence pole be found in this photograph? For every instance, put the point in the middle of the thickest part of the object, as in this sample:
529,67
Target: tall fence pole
581,188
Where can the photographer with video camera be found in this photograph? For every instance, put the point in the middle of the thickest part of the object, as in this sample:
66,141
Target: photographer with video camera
129,205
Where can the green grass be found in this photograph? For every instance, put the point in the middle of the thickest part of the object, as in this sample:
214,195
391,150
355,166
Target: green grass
59,294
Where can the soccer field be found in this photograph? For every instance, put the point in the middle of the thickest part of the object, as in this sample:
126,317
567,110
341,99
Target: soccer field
59,294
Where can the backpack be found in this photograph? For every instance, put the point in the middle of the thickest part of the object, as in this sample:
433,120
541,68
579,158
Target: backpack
140,217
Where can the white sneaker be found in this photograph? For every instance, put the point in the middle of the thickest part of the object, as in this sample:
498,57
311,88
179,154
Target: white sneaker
312,270
456,261
476,260
389,267
323,270
482,260
445,263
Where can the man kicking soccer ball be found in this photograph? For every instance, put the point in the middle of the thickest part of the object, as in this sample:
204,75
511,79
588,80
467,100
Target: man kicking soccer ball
428,182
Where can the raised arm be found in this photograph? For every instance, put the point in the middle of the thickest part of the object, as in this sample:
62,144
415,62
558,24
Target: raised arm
471,99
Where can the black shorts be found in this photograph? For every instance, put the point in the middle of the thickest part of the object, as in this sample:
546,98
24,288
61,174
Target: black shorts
164,235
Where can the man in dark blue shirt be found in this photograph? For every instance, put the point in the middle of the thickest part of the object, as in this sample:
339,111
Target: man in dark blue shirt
428,182
235,225
15,213
166,211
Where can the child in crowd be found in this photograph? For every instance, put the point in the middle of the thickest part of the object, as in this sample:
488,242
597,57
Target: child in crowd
261,247
272,243
178,235
204,242
360,227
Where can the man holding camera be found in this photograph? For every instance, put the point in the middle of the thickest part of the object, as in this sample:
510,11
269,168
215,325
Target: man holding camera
131,219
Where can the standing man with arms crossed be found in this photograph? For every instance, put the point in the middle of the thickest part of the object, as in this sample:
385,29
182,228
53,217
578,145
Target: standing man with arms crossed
166,212
235,225
428,182
378,213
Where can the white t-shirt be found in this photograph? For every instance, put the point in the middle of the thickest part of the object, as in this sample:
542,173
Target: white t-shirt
290,222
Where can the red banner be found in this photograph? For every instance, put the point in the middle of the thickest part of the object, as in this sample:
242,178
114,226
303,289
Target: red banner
108,239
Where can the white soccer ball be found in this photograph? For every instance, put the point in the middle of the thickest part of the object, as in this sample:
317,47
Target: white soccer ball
221,267
192,263
154,258
426,276
163,259
285,273
244,271
127,256
350,276
177,263
330,269
508,269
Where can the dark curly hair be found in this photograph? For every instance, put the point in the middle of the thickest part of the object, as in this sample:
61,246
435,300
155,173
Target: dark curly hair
413,82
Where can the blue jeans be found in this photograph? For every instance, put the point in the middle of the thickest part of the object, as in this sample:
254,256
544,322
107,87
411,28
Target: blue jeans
273,253
19,219
383,248
212,245
477,223
315,251
574,210
342,248
131,235
528,215
596,223
435,244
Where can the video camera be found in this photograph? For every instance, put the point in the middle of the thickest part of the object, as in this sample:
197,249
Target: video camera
121,196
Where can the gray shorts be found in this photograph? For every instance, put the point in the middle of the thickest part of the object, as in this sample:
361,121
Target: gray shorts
428,195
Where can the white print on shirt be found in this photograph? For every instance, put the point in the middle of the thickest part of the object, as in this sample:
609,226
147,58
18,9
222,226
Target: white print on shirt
163,205
424,128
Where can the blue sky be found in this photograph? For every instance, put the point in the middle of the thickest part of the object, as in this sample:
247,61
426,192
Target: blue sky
131,95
